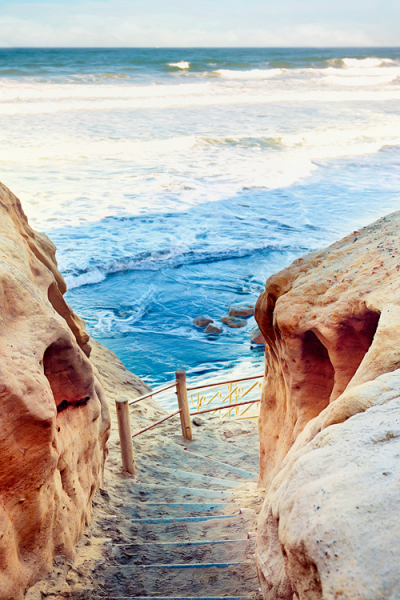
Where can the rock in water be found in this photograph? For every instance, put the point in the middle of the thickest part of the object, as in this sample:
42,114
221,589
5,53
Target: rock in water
54,417
234,322
202,321
213,329
257,337
330,421
241,310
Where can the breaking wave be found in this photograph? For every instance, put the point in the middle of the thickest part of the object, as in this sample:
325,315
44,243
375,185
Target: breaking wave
154,261
183,64
367,62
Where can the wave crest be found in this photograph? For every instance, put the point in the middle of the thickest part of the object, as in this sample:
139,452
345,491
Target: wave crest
368,63
183,64
154,261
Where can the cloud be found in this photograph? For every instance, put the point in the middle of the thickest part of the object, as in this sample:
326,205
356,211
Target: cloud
154,23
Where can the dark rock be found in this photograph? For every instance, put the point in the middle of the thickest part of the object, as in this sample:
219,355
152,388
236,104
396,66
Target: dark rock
257,337
241,310
212,329
198,422
234,322
202,321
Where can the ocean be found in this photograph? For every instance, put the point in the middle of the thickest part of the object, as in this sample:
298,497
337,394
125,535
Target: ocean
175,181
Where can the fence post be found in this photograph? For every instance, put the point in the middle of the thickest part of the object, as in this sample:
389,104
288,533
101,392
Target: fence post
125,436
183,404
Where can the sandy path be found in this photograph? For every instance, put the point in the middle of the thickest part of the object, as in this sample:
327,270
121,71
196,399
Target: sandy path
109,554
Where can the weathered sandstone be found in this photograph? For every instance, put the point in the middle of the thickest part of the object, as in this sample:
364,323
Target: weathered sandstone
329,528
54,418
257,337
331,321
330,422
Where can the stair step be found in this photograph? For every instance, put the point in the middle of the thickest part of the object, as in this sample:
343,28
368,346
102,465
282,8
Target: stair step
203,465
150,521
231,468
142,491
204,580
187,566
172,597
186,530
149,473
183,552
168,510
226,452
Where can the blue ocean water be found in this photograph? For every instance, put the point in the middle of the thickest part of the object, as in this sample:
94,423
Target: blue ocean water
175,181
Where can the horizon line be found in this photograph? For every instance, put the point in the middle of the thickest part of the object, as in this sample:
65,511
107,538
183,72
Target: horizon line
196,47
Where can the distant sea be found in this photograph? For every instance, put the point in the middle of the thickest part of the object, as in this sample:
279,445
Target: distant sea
175,181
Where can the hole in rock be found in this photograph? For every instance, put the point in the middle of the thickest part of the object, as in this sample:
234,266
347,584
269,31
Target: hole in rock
68,375
352,341
311,378
318,376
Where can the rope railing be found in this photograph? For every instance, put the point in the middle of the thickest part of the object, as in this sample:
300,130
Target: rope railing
153,393
123,404
219,383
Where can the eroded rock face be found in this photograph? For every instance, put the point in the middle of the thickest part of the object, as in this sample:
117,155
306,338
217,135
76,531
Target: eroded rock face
330,422
329,528
54,418
330,321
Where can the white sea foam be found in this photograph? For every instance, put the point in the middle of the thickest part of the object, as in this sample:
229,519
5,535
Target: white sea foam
366,62
183,64
251,74
99,76
89,278
197,99
175,256
361,80
11,90
219,168
83,149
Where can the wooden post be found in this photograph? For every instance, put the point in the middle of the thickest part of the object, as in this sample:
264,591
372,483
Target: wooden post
183,404
125,436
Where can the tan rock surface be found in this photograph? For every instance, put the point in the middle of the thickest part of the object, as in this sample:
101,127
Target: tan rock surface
329,528
257,337
331,321
330,422
54,418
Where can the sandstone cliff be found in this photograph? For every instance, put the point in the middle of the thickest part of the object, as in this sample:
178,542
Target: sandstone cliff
54,418
330,422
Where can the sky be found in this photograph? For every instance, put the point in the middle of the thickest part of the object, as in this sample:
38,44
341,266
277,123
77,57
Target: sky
194,23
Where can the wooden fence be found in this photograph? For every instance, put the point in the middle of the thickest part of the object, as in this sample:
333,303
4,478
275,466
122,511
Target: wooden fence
230,405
